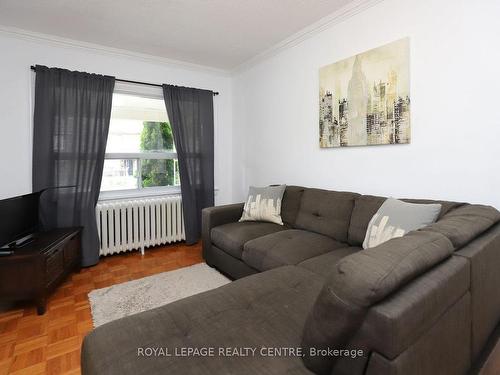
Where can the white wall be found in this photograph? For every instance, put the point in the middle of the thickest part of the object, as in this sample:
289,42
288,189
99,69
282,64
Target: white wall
455,91
267,115
18,53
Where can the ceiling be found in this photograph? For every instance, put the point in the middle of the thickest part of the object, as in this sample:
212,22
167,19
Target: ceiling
217,33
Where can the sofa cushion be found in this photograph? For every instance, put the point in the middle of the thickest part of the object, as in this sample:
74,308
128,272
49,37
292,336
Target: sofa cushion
324,265
326,212
268,309
365,206
465,223
360,281
287,247
291,204
231,237
446,206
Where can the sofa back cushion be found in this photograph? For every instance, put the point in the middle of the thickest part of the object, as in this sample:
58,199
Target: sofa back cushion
465,223
361,280
366,206
326,212
291,204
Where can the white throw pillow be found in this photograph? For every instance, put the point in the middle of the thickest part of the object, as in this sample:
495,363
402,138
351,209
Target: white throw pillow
395,218
264,204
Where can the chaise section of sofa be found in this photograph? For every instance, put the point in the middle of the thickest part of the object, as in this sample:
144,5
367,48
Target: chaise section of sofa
260,311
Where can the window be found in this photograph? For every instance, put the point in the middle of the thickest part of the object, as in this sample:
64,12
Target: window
140,152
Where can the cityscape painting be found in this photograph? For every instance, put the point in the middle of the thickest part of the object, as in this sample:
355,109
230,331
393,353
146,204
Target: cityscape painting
365,99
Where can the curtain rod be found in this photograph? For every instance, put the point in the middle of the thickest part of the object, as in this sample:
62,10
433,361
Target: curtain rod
136,82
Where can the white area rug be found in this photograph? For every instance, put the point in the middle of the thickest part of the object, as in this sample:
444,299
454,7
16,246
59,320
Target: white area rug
139,295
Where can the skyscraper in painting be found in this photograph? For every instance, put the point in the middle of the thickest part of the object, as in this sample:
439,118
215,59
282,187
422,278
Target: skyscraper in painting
365,99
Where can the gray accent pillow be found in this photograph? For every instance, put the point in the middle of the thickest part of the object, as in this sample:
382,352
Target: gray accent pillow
264,204
395,218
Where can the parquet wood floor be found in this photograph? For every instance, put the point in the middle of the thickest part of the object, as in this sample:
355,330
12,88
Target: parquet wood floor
492,365
50,344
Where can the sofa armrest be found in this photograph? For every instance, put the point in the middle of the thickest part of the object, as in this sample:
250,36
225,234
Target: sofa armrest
214,216
399,323
483,254
360,281
391,326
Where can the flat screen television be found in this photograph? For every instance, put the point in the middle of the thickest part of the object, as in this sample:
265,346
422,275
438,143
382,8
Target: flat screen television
18,217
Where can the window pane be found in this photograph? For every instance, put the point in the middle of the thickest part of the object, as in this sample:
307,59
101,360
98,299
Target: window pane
156,136
119,174
177,177
138,124
160,172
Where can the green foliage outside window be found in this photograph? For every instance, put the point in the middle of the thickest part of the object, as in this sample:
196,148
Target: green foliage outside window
157,136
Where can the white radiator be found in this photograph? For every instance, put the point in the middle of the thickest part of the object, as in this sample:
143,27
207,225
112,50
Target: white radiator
138,223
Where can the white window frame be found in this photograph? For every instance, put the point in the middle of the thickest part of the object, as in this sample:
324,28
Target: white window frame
140,192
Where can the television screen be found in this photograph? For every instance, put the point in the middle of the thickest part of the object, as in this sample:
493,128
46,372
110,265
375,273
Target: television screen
18,217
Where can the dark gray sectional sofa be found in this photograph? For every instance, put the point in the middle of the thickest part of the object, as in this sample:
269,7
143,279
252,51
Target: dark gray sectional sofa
424,303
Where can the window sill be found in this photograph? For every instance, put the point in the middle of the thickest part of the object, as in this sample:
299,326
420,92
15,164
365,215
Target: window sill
137,194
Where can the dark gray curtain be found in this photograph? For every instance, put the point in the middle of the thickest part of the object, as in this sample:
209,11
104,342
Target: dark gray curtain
191,115
71,123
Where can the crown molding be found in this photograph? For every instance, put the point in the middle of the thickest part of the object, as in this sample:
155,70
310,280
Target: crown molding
71,43
346,12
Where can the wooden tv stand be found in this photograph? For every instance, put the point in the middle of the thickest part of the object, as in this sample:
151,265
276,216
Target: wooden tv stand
34,270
